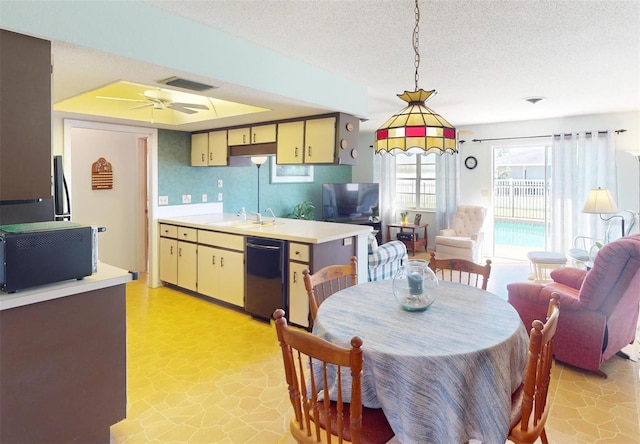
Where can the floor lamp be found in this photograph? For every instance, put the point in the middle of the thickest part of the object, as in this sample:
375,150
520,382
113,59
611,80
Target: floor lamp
258,161
601,202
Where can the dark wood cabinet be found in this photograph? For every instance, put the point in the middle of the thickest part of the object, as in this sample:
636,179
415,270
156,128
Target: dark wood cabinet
25,117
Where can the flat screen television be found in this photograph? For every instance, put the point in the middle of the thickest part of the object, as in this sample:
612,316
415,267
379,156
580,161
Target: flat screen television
344,202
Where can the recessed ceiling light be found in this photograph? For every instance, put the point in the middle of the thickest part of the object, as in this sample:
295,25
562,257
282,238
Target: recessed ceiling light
534,99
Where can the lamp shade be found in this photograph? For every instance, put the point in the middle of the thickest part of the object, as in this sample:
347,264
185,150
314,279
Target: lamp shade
258,160
416,128
600,201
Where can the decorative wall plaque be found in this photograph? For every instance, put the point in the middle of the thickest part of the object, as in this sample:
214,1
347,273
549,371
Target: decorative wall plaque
101,175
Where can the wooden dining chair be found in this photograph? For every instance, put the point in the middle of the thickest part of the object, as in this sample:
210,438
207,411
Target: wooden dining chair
326,281
529,404
461,270
308,360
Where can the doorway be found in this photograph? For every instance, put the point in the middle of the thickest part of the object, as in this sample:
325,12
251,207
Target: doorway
520,200
124,208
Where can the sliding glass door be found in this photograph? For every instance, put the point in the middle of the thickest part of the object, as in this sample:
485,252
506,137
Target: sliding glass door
520,200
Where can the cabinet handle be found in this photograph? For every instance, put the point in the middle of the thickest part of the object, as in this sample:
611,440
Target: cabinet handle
213,259
254,138
210,156
180,252
222,262
202,157
295,277
244,138
296,155
309,151
171,250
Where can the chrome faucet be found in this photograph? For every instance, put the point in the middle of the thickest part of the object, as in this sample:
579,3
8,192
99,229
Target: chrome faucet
272,215
258,217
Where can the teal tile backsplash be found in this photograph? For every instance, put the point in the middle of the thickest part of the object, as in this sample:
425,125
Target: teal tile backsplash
240,184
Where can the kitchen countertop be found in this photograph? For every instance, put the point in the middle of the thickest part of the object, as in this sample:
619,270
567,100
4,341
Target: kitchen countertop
106,276
311,232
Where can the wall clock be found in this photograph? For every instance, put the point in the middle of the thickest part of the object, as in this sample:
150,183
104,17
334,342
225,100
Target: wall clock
471,162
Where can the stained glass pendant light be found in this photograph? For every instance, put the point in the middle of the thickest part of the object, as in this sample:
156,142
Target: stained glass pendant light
417,128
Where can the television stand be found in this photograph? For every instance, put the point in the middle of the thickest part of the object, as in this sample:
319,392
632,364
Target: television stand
377,226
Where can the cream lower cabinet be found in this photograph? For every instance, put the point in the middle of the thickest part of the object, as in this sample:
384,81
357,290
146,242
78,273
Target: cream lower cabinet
188,265
298,299
169,260
179,256
221,270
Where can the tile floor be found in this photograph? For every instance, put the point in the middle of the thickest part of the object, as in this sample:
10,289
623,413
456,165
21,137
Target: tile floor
202,373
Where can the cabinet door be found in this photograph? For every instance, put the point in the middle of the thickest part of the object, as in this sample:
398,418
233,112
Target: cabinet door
239,136
231,277
199,149
218,149
208,260
298,299
188,265
290,145
169,260
263,134
320,137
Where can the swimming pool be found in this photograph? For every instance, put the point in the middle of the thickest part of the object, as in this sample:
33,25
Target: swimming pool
518,234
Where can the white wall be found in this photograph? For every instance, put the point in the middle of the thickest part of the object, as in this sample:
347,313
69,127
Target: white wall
118,209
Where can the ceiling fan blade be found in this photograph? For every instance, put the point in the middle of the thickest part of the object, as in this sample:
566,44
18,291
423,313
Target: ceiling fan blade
188,105
122,99
182,109
147,105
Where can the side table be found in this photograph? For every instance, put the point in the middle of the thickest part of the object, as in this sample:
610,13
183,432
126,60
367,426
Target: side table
415,241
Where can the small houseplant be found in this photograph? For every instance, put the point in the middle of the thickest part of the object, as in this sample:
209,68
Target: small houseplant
404,217
303,210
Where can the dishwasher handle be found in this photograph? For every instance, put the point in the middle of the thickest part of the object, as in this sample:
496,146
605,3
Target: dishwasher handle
262,247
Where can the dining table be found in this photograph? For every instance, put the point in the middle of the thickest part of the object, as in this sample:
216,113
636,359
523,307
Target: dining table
443,375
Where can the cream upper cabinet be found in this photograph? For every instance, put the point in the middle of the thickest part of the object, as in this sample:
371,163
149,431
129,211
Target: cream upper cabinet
263,134
218,148
255,134
320,140
290,146
209,149
199,149
239,136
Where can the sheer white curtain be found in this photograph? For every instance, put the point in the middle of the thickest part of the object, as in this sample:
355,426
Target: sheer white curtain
387,190
447,189
579,163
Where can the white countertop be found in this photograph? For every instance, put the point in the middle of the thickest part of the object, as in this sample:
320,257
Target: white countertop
106,276
311,232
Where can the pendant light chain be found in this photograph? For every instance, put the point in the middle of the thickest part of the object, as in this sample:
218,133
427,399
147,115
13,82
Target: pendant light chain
416,36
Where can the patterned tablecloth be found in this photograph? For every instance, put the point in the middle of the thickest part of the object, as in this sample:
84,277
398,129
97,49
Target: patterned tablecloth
444,375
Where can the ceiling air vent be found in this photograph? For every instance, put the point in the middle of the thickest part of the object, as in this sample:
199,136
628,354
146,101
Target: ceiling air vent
186,84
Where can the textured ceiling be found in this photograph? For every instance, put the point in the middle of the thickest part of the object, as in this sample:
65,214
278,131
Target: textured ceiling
482,57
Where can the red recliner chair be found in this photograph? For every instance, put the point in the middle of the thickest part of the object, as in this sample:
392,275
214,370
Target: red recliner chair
599,308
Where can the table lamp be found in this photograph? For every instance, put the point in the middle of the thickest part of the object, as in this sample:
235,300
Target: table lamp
599,201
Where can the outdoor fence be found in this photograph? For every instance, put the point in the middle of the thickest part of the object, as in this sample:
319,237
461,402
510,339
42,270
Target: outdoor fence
520,199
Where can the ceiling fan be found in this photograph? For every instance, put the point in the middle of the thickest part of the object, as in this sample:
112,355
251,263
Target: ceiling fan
160,99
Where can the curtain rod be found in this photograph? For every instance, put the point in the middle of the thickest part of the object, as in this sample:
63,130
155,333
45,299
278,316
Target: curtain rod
538,137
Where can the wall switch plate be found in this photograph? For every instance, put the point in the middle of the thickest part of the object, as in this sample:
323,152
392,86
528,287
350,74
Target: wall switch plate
219,183
346,241
186,198
204,197
219,197
163,200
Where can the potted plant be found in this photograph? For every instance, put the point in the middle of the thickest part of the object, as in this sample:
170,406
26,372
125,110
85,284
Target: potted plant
404,217
303,210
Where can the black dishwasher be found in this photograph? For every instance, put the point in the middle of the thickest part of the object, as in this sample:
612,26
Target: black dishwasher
266,273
